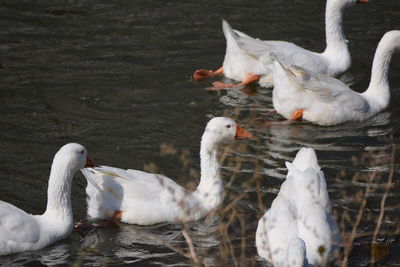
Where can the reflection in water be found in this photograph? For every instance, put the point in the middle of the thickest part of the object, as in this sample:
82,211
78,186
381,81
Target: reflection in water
146,244
55,254
59,254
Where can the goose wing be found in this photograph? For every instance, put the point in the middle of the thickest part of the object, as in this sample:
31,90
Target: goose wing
321,87
132,184
16,228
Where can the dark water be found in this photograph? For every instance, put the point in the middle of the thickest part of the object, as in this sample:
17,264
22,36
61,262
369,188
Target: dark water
114,76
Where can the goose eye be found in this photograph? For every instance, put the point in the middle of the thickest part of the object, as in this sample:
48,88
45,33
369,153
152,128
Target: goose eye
228,126
82,151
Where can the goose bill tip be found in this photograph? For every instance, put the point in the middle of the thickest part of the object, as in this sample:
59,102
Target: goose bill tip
242,133
89,163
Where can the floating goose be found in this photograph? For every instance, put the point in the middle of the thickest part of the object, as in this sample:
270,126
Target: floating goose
247,59
323,100
20,231
299,229
144,198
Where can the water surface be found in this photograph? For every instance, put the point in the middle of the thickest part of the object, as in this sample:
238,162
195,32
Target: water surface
115,77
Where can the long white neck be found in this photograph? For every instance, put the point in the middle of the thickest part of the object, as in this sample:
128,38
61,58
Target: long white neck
336,50
210,189
378,92
59,195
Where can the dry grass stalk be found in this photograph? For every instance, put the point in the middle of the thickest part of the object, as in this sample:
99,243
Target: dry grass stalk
189,241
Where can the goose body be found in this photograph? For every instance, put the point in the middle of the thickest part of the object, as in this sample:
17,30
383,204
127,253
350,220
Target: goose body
325,100
299,229
20,231
250,57
145,198
245,55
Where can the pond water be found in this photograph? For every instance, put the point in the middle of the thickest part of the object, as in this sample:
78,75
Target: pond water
115,77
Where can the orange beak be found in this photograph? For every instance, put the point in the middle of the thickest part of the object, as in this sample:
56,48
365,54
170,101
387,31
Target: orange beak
362,1
89,163
242,133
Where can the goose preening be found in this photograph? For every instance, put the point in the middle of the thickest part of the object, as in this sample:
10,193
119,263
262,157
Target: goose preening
299,228
20,231
248,59
323,100
144,198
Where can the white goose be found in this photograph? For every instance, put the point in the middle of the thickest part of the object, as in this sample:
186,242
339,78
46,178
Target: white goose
323,100
248,59
20,231
144,198
299,229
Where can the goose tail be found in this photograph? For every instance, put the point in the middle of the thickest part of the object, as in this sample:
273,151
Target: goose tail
306,158
89,174
231,37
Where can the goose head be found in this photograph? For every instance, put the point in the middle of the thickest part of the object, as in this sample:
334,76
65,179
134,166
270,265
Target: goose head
223,129
390,41
73,156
